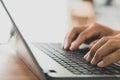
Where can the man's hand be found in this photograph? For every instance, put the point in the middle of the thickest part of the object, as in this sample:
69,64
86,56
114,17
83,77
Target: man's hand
86,34
106,51
102,41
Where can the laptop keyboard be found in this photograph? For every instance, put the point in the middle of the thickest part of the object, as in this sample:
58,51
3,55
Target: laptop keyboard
73,60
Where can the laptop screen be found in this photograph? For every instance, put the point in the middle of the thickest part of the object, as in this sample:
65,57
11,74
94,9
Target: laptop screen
37,17
23,50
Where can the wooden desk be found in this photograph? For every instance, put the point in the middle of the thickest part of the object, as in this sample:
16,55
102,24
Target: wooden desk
11,67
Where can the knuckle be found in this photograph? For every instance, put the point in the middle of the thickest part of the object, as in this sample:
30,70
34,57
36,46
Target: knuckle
104,38
84,35
94,25
74,28
92,50
97,55
111,41
97,26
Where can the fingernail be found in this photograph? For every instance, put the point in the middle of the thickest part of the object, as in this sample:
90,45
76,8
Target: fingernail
100,64
93,61
88,57
66,45
72,47
85,56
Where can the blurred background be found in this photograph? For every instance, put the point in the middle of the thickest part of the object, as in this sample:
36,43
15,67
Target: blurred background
107,12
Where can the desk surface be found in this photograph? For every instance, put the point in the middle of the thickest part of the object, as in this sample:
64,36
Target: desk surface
11,67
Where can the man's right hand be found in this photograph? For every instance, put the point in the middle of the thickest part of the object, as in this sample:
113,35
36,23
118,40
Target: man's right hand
105,43
86,34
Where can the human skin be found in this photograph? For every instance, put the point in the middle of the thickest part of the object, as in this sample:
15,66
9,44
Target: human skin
104,43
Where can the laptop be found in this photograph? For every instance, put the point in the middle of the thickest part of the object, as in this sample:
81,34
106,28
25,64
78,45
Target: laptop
48,61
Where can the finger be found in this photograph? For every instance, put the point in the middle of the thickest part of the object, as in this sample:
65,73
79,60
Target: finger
93,50
71,36
93,43
85,35
86,55
106,49
112,58
68,38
